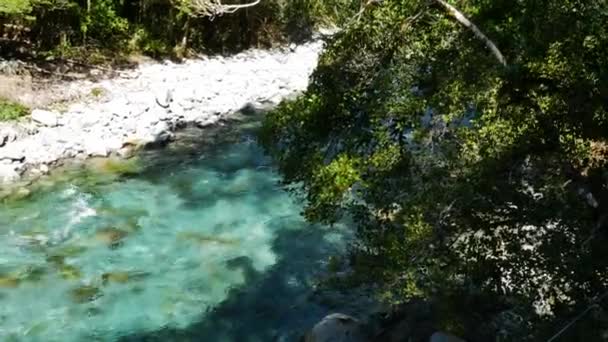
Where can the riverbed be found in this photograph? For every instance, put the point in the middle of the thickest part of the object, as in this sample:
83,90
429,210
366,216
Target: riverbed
194,242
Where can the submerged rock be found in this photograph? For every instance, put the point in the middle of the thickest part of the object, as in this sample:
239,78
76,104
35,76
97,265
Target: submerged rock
85,293
71,251
205,239
9,282
120,167
56,259
33,273
337,328
110,236
122,277
69,272
115,277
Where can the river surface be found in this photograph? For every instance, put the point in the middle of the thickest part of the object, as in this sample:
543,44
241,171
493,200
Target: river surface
195,242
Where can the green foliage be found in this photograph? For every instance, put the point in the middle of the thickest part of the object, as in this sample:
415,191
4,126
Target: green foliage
163,27
11,110
12,7
104,23
466,179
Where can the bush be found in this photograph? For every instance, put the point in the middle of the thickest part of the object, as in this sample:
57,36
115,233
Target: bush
11,110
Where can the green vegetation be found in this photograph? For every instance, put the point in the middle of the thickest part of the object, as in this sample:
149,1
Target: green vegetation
476,177
97,92
11,110
96,29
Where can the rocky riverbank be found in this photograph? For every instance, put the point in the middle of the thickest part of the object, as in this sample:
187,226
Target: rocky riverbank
144,106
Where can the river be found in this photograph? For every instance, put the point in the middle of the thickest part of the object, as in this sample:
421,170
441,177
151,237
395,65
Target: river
194,242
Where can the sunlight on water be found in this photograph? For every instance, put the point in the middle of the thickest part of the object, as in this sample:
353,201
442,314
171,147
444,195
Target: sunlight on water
196,242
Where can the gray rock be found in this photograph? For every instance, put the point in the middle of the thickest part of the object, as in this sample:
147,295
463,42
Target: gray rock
443,337
7,134
144,106
96,147
9,173
45,117
337,328
11,153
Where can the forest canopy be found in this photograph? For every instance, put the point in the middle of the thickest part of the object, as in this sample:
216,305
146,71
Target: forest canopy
160,27
472,179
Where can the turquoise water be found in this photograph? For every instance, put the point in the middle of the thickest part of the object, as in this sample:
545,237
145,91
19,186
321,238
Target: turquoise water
196,242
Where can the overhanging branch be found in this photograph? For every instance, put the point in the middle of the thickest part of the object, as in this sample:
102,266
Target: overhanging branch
456,14
211,8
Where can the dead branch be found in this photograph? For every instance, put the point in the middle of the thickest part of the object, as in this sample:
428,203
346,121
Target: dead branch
456,14
212,8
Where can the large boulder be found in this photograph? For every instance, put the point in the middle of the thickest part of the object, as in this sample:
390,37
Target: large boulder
45,117
337,328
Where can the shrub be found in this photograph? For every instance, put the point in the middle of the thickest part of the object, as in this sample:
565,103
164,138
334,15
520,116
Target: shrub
11,110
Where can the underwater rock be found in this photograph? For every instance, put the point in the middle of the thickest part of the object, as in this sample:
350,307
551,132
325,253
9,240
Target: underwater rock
71,251
56,259
85,293
20,194
120,167
110,236
34,240
69,272
94,311
33,273
37,329
9,282
115,277
204,239
122,277
337,328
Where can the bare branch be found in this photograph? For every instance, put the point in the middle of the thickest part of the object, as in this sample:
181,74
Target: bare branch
456,14
211,8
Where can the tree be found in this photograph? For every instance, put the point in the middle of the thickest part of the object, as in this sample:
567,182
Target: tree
468,175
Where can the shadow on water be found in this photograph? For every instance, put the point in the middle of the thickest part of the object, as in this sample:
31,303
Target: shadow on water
276,305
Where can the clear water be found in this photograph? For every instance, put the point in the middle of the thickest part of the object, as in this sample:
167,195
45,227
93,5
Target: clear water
197,242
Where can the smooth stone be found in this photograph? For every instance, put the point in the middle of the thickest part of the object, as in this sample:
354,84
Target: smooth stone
205,239
85,293
56,259
45,117
69,272
8,134
337,327
110,236
9,173
9,282
122,277
96,148
116,166
115,277
33,273
71,251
